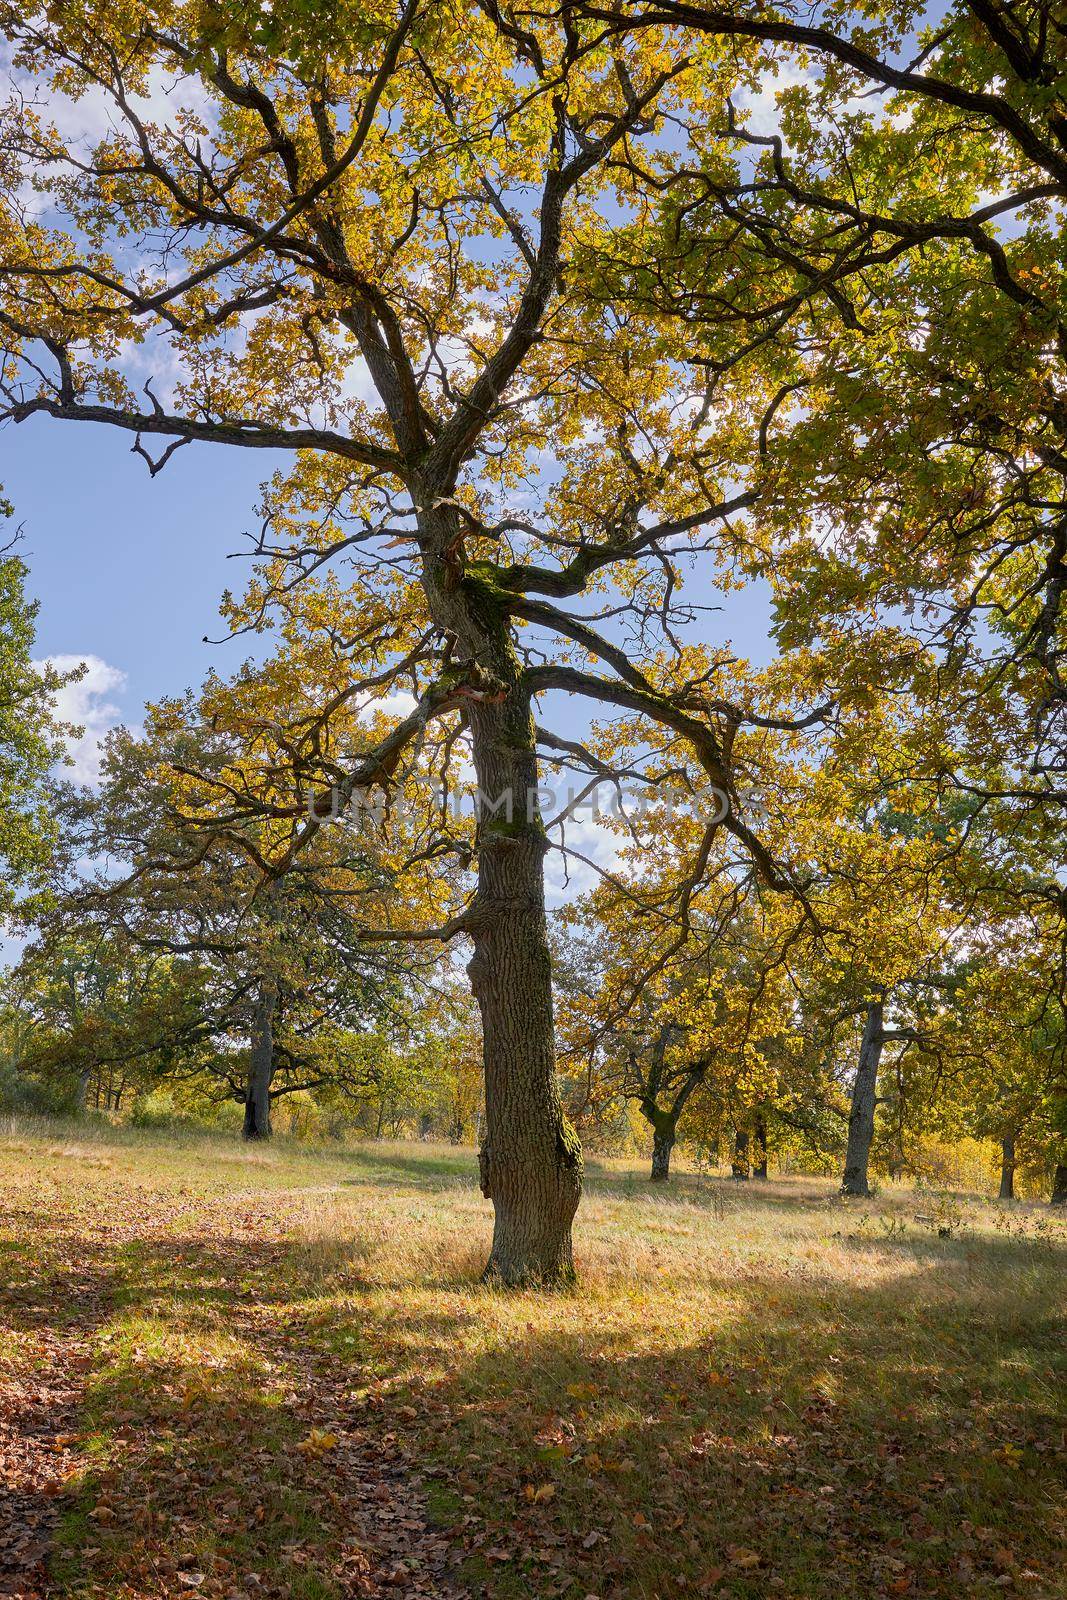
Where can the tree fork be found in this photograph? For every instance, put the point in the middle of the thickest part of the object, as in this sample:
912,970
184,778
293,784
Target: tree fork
530,1162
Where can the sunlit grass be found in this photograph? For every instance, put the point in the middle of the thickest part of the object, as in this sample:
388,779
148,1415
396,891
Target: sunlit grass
754,1389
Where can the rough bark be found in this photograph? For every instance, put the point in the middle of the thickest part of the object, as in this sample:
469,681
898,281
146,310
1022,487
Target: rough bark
740,1160
864,1100
530,1160
261,1067
531,1163
1059,1185
1007,1167
760,1168
662,1145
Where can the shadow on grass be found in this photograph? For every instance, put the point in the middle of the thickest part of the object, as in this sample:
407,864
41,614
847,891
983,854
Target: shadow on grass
195,1420
851,1443
838,1438
438,1172
964,1249
200,1471
433,1172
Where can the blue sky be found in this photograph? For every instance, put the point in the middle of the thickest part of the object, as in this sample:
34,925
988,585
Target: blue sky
129,569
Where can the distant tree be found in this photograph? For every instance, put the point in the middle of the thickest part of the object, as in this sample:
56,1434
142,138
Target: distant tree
98,1020
674,1026
292,997
31,742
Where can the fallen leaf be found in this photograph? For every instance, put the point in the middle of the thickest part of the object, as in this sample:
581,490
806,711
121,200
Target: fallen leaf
746,1560
318,1442
582,1391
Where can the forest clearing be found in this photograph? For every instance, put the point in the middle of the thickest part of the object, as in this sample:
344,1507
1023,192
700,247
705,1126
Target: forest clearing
533,777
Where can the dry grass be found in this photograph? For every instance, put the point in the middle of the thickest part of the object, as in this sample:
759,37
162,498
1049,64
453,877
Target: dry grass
756,1389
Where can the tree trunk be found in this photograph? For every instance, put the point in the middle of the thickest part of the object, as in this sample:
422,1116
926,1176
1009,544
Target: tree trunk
740,1161
662,1145
1059,1185
861,1117
81,1093
530,1159
1007,1167
760,1169
664,1125
261,1068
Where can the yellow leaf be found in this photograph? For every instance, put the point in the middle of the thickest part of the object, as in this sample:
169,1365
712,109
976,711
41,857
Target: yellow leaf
582,1391
539,1492
745,1559
318,1442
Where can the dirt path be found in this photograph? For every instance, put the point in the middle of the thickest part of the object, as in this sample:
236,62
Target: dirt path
48,1318
41,1387
165,1430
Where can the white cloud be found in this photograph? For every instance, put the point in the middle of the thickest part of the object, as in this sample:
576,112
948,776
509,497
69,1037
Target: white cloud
759,106
760,111
85,703
601,844
94,115
82,121
399,704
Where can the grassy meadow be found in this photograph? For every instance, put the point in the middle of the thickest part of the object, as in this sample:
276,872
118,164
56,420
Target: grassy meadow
272,1372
